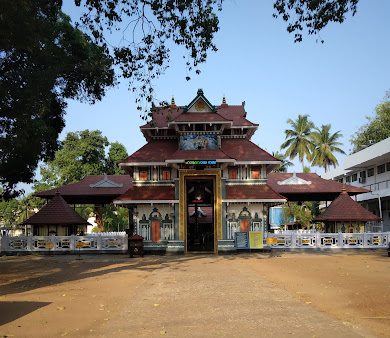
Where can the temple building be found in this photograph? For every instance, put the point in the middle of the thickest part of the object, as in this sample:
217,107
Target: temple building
198,180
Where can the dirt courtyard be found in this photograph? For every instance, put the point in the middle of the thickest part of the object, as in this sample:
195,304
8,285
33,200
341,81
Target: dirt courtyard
319,294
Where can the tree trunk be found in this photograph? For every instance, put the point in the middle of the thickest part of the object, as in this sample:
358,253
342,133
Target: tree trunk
99,218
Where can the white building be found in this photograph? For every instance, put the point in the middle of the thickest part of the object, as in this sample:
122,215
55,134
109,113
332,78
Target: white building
370,169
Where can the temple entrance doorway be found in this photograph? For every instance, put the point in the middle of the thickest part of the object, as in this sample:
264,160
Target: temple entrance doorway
200,214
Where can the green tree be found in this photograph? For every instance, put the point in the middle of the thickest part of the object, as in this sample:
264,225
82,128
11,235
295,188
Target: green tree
43,61
282,168
82,153
116,153
297,139
325,145
300,212
314,15
375,130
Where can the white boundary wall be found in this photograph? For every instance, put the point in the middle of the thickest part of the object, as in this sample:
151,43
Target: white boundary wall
118,242
319,240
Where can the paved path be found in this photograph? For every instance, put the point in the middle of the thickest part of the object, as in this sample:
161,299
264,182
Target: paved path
219,296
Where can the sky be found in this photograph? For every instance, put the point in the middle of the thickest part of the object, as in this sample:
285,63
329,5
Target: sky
337,82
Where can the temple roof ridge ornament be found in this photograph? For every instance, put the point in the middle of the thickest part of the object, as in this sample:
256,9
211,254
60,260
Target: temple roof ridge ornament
200,103
294,180
106,183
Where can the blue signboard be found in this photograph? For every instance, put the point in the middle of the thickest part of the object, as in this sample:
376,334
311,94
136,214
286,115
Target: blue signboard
241,239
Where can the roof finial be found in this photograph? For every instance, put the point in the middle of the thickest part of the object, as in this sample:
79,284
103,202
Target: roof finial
343,191
224,99
173,101
200,92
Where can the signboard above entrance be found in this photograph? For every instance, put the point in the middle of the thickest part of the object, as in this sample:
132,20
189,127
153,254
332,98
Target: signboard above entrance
200,162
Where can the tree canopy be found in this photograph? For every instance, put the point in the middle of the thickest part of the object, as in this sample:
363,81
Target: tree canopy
325,145
312,15
43,61
297,139
375,130
81,153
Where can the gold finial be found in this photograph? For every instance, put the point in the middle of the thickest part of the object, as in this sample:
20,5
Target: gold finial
173,101
343,191
224,100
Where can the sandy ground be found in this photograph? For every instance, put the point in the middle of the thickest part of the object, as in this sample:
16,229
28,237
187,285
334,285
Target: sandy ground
247,295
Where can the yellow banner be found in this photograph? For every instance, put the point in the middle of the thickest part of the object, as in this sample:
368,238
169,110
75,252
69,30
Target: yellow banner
256,240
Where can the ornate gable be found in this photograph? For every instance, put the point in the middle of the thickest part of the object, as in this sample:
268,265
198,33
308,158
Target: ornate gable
106,183
294,180
200,105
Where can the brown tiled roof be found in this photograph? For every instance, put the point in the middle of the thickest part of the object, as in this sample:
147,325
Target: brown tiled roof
245,150
252,192
344,208
147,193
200,117
200,154
81,192
161,117
154,151
236,114
318,184
56,212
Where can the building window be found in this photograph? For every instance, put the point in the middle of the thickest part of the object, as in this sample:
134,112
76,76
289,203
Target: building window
388,166
232,173
255,173
143,175
370,172
354,177
381,169
166,174
340,180
348,179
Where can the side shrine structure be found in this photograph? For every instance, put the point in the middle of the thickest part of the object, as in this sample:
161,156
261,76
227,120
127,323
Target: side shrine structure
199,178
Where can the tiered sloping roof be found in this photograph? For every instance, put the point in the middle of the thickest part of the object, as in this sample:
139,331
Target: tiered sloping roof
155,151
56,212
344,208
243,150
145,194
86,191
319,189
252,193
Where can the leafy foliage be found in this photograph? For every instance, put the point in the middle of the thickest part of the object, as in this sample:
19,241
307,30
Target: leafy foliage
300,212
43,61
297,138
82,153
115,218
148,29
116,153
282,168
324,146
313,15
376,129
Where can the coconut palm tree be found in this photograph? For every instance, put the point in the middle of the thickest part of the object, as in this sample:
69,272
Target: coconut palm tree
324,145
297,139
282,168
